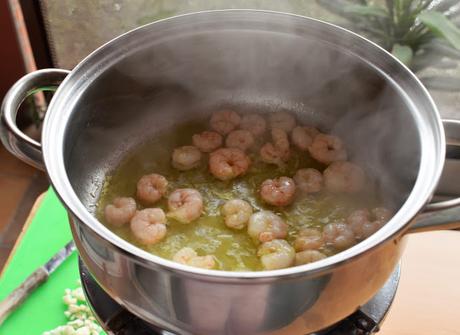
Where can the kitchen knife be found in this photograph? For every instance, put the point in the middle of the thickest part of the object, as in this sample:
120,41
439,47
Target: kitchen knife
39,276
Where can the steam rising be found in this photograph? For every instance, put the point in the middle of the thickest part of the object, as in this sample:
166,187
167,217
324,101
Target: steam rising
260,62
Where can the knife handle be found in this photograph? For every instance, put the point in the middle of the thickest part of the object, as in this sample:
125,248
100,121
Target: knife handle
15,298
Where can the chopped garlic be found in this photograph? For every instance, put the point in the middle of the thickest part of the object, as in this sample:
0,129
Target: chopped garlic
81,319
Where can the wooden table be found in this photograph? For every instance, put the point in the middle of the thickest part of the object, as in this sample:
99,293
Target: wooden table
428,298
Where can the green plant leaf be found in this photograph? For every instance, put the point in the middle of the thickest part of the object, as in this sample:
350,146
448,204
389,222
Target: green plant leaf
369,10
442,83
390,7
441,26
404,53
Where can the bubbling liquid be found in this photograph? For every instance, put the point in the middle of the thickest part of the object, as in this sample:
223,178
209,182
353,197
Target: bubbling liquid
233,250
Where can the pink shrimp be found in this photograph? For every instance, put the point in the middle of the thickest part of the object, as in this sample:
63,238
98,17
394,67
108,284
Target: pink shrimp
278,192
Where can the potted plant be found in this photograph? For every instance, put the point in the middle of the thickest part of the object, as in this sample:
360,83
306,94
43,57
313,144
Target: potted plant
421,33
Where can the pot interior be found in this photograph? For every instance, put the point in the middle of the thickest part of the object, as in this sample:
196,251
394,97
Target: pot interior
189,72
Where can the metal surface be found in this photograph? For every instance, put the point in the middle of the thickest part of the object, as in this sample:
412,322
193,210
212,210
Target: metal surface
117,320
445,214
178,69
452,131
60,257
18,143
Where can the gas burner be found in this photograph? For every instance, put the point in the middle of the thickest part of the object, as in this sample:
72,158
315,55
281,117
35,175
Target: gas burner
116,320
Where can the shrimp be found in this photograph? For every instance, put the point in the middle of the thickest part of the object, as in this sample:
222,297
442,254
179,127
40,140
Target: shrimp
364,224
327,149
151,187
276,254
280,139
240,139
120,211
308,256
265,226
308,238
278,151
272,155
339,235
278,192
282,120
228,163
186,157
344,177
254,123
207,141
185,205
382,214
224,121
149,225
303,137
188,256
236,213
308,180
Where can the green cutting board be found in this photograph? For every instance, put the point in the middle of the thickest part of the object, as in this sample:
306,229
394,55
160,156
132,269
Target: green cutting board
44,310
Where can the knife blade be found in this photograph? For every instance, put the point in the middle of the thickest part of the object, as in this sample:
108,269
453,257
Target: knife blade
59,257
39,276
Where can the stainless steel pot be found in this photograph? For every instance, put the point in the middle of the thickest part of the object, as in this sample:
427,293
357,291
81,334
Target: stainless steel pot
153,77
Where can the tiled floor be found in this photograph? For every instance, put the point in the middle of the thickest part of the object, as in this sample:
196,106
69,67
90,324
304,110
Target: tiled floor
20,185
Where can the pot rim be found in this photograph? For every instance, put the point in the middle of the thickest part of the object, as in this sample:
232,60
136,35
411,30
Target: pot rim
432,144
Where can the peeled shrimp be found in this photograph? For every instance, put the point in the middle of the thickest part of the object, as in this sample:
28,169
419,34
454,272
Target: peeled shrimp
271,155
303,137
308,256
308,238
236,213
278,192
224,121
339,235
186,157
344,177
277,151
365,223
149,225
188,256
120,211
276,254
207,141
228,163
254,123
240,139
280,139
327,149
308,180
265,226
185,205
382,214
282,120
151,187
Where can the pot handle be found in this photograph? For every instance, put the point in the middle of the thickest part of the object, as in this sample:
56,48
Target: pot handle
14,140
445,214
